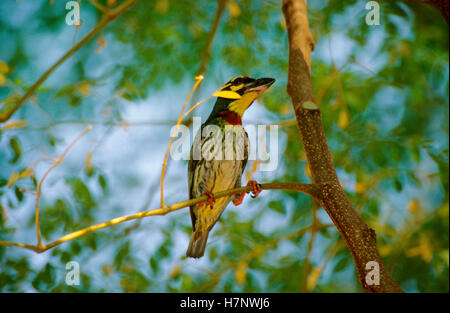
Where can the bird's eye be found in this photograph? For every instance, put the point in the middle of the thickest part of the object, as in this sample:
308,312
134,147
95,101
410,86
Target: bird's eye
237,81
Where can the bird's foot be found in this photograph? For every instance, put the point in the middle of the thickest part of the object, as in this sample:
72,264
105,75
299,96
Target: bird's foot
239,200
255,192
256,188
210,201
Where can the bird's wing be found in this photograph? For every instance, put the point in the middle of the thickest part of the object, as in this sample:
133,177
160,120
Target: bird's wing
198,173
191,166
244,161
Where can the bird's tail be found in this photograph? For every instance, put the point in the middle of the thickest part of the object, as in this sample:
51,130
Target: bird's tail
197,244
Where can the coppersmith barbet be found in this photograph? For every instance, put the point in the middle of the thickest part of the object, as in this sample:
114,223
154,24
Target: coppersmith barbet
212,168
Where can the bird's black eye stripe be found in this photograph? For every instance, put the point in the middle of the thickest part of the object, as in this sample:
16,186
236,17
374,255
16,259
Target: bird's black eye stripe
238,81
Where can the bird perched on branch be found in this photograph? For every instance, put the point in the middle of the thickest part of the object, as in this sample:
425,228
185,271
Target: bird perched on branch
219,155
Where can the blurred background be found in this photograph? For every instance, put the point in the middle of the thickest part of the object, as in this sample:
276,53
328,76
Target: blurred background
383,92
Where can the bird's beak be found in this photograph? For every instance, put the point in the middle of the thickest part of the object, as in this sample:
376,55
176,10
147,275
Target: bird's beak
259,85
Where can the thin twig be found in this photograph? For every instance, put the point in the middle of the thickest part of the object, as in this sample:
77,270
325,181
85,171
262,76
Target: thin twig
309,189
200,102
206,57
39,186
107,18
98,5
198,80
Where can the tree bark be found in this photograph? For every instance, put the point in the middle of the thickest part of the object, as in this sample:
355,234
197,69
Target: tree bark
360,239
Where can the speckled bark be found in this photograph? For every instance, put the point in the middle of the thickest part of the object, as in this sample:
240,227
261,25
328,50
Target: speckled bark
360,239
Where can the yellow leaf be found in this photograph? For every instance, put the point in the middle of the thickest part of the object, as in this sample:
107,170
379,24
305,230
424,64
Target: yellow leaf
336,103
15,124
308,171
404,48
101,42
162,6
312,278
88,163
282,23
424,250
414,206
343,119
13,179
284,109
443,211
384,250
26,173
175,272
107,269
2,79
445,256
241,273
4,68
302,155
125,125
233,9
84,88
127,269
360,187
111,2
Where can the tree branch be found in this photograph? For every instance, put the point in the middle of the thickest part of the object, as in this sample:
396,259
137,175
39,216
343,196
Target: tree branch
215,24
308,189
359,238
206,56
108,17
198,80
39,186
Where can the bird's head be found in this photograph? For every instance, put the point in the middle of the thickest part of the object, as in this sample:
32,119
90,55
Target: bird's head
234,98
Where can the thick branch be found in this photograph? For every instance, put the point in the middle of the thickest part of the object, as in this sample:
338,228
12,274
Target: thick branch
107,18
308,189
359,238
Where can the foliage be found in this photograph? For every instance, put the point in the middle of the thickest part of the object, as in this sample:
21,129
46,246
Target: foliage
383,92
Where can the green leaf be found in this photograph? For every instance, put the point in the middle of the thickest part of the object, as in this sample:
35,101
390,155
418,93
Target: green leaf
341,265
81,193
102,182
14,144
277,206
154,265
19,193
45,279
122,254
398,185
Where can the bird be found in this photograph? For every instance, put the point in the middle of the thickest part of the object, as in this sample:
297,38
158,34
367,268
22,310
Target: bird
212,169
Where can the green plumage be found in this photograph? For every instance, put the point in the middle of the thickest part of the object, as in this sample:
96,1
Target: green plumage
217,161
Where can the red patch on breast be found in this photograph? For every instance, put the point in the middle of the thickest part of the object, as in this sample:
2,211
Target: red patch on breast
231,117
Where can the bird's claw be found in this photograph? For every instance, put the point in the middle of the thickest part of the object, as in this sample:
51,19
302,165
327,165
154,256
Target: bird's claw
210,201
255,192
256,188
239,200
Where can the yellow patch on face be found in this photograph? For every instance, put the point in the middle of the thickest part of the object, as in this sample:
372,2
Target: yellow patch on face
227,94
237,87
240,105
